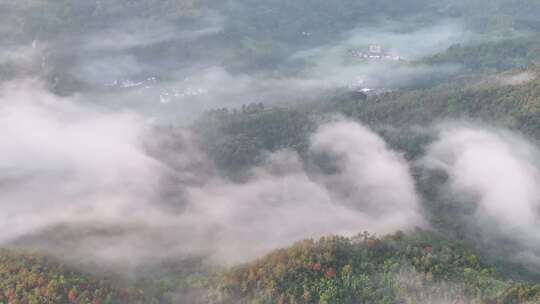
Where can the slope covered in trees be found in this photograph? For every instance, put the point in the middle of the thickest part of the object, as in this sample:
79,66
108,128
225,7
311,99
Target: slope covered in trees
417,267
236,139
35,279
491,56
502,102
399,268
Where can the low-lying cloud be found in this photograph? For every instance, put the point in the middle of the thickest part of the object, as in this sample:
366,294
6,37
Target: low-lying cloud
92,185
499,172
79,182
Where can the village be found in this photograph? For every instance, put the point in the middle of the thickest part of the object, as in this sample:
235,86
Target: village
375,52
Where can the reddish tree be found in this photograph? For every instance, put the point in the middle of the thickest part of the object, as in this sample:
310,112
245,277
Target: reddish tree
11,296
372,243
330,273
41,282
72,296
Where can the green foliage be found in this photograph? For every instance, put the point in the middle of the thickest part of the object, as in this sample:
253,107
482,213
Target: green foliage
413,268
515,106
491,56
237,140
36,279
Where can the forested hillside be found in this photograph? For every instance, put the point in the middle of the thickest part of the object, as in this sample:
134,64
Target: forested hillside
235,138
34,279
507,99
416,268
419,267
491,57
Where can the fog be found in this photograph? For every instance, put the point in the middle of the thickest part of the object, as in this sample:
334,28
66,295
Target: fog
497,171
189,89
170,61
78,181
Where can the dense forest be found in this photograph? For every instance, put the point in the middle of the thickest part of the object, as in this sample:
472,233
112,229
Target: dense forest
417,268
420,267
34,278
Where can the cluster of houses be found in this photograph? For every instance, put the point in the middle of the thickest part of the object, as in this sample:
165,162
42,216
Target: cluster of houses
128,84
167,96
374,52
